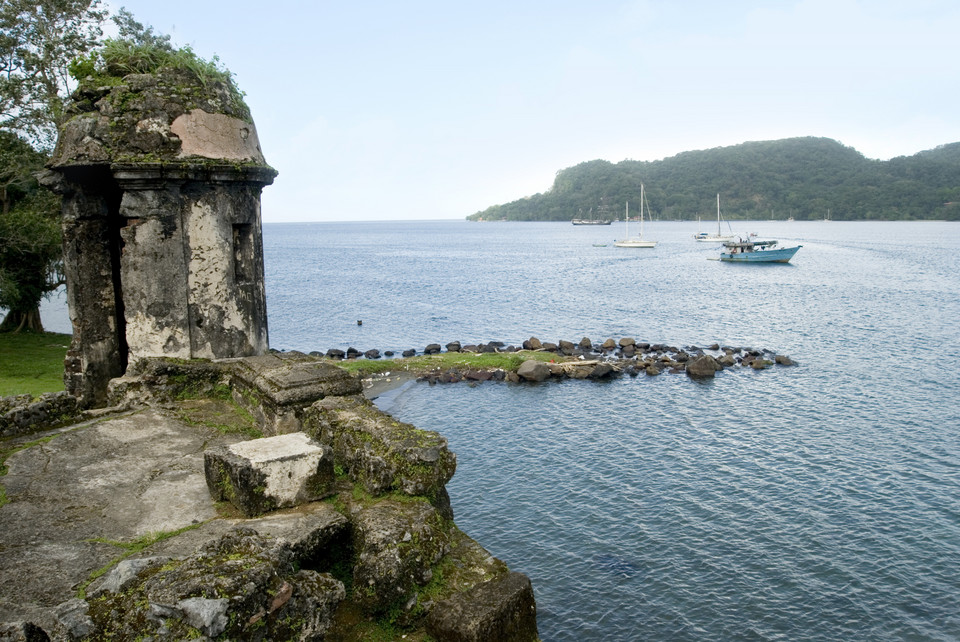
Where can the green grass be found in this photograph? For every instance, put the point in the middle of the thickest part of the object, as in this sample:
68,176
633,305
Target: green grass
32,363
484,361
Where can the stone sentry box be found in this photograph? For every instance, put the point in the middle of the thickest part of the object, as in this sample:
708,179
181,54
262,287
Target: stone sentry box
161,179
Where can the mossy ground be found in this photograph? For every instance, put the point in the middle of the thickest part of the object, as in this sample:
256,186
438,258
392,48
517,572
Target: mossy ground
508,361
32,363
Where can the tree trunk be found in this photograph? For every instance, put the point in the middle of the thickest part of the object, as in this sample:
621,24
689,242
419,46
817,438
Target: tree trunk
22,321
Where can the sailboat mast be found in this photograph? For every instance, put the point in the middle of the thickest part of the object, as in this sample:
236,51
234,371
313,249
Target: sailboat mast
718,213
641,210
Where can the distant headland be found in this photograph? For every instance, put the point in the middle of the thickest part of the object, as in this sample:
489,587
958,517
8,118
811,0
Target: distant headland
800,178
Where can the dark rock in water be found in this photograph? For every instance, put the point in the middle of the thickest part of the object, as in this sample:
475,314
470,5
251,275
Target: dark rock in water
532,343
315,353
602,370
682,357
487,348
470,347
586,344
652,370
608,345
453,346
496,344
643,346
566,347
616,565
760,364
499,375
388,353
629,350
715,346
727,360
372,354
532,370
512,377
409,353
703,366
784,360
550,347
627,341
433,348
478,375
352,353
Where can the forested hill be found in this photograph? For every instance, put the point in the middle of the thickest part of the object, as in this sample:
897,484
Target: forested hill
803,178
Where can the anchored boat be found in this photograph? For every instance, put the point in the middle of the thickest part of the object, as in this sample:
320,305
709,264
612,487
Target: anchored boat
757,252
638,241
719,237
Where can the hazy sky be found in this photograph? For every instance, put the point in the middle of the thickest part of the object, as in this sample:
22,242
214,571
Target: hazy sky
410,109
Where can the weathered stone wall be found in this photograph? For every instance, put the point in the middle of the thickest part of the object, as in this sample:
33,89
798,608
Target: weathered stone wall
161,177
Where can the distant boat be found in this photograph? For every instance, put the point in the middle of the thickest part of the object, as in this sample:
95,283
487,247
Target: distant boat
580,220
638,241
714,238
757,252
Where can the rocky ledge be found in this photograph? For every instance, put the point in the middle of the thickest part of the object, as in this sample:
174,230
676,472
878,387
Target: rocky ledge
166,520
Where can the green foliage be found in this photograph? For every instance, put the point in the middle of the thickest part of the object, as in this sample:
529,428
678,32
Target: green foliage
803,178
145,55
32,363
38,39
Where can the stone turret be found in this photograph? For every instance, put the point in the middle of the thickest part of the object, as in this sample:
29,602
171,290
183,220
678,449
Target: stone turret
161,176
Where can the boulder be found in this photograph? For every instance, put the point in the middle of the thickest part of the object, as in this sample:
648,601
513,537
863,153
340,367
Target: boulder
609,344
652,370
260,475
550,347
396,544
627,341
784,360
433,348
501,609
628,350
532,343
703,366
241,586
602,370
409,353
372,354
586,344
453,346
380,453
566,347
533,370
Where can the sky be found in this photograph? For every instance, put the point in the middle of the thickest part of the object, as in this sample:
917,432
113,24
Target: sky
423,109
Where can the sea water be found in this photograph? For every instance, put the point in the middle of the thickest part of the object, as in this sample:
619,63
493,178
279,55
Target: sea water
816,502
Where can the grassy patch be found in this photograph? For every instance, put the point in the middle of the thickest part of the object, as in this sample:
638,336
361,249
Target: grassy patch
130,548
32,363
508,361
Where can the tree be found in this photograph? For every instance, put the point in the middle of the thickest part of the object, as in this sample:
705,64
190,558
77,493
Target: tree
38,41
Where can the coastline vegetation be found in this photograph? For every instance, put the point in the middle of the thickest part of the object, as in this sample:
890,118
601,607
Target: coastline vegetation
800,178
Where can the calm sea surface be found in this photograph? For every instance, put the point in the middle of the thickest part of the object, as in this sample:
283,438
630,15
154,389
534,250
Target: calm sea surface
820,502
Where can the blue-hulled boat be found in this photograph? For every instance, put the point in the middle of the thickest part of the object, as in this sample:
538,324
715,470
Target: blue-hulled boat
757,252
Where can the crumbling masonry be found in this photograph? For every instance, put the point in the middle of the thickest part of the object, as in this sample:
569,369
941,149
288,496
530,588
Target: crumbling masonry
161,180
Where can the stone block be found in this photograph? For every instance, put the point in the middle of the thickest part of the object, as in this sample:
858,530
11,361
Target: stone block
500,609
261,475
275,388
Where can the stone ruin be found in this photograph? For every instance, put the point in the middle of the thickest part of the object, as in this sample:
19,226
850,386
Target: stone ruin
161,179
342,514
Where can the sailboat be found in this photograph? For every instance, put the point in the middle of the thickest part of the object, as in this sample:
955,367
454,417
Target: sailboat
714,238
638,241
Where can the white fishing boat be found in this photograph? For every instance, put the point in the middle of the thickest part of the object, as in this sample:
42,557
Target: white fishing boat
719,237
638,241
